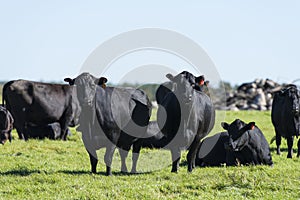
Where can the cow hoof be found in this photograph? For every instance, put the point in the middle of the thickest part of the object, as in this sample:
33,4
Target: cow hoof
289,156
108,174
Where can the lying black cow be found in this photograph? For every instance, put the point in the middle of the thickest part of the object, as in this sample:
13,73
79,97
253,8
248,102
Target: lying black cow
185,116
247,144
286,117
198,83
111,117
41,104
6,125
212,151
51,131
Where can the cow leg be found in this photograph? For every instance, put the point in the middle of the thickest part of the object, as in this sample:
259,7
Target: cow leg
191,156
110,149
20,134
298,154
290,141
93,161
278,142
176,154
123,155
135,156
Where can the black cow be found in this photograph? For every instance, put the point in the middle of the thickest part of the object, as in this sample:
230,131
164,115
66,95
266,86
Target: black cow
51,131
111,117
6,125
247,144
185,116
41,104
286,117
198,83
212,151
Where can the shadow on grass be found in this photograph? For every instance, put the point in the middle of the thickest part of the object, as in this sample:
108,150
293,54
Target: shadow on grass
20,172
82,172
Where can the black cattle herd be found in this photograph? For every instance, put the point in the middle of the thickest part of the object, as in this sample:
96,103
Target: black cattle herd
112,117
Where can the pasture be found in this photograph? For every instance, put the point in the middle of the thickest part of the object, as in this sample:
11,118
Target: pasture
44,169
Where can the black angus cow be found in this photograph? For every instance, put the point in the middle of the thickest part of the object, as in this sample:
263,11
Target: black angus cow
41,104
286,117
185,116
6,125
212,151
247,144
198,83
111,117
51,131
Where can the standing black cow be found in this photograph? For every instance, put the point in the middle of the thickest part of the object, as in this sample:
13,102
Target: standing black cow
212,151
185,116
6,125
286,117
111,117
41,104
247,144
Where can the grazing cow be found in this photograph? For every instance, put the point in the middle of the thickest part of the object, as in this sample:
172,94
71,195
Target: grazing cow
41,104
286,117
185,116
6,125
212,151
51,131
248,144
198,83
111,117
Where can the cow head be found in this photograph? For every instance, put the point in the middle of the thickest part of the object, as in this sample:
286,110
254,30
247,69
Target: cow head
182,87
238,133
86,87
5,126
294,95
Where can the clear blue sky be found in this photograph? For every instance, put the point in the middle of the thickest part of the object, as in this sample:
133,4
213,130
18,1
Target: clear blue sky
50,40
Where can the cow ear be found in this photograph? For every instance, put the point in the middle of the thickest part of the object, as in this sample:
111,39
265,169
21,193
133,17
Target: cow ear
170,77
225,125
69,80
251,126
206,83
102,82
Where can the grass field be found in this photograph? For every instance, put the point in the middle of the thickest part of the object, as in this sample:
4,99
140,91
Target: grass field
44,169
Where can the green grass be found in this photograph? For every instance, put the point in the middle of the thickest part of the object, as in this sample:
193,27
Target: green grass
44,169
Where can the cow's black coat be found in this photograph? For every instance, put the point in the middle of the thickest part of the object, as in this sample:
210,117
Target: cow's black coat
41,104
6,125
286,117
111,117
212,151
185,116
247,144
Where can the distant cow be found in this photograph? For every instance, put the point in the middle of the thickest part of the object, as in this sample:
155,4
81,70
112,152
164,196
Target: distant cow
185,116
111,117
6,125
247,143
41,104
212,151
51,131
286,117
